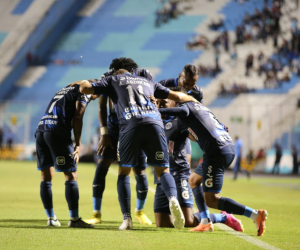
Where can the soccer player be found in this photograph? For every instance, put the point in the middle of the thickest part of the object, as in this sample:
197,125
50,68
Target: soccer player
187,79
141,128
218,148
108,149
54,149
177,137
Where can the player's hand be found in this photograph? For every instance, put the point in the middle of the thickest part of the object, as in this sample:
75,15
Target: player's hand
152,99
75,154
104,143
227,129
75,83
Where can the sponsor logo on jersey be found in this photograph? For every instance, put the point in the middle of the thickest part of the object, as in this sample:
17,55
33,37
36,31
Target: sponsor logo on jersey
159,155
197,107
209,181
128,116
60,160
168,125
193,134
185,195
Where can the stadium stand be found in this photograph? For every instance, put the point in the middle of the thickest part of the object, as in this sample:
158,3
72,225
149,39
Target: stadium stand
84,48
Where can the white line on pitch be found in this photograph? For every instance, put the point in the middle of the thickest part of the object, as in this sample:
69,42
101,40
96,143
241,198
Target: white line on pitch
250,239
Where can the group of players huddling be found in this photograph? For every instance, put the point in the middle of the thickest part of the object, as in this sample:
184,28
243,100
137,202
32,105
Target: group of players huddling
142,122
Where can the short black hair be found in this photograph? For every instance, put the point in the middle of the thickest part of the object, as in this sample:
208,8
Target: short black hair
178,89
120,72
191,69
123,63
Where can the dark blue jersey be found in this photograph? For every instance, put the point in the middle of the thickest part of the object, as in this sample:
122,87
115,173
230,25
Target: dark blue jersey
60,111
209,133
173,82
177,136
130,95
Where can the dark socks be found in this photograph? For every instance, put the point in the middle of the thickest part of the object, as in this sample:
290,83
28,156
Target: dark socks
72,197
141,190
46,196
168,185
99,186
230,206
124,194
214,218
200,202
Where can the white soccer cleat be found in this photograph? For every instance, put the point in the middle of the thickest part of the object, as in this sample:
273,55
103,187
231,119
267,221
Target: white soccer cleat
177,215
53,222
126,225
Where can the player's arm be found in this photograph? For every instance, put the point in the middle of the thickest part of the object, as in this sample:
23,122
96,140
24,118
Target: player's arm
77,128
182,111
180,97
102,115
86,88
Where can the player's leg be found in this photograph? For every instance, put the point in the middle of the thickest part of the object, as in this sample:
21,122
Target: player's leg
45,164
212,185
128,151
124,194
98,189
61,151
161,208
195,180
141,189
157,156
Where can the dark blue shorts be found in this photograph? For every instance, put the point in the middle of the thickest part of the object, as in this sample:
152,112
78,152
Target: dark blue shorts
149,138
212,171
184,194
54,150
112,153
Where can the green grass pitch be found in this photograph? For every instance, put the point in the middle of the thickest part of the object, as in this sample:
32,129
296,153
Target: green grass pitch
23,220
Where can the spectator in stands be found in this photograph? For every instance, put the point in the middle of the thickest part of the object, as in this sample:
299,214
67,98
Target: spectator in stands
261,154
233,57
198,41
278,156
9,139
225,41
216,25
1,138
295,160
249,63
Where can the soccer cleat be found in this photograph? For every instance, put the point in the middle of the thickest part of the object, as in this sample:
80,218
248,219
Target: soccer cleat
95,219
79,223
126,225
260,222
142,218
176,212
53,222
233,222
203,228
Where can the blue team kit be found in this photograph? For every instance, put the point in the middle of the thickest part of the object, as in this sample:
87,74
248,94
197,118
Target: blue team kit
53,134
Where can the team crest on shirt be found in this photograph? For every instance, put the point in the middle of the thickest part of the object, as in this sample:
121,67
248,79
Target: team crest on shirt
128,116
168,125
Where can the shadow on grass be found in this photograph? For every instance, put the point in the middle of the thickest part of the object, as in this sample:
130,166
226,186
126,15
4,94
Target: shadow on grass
105,225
